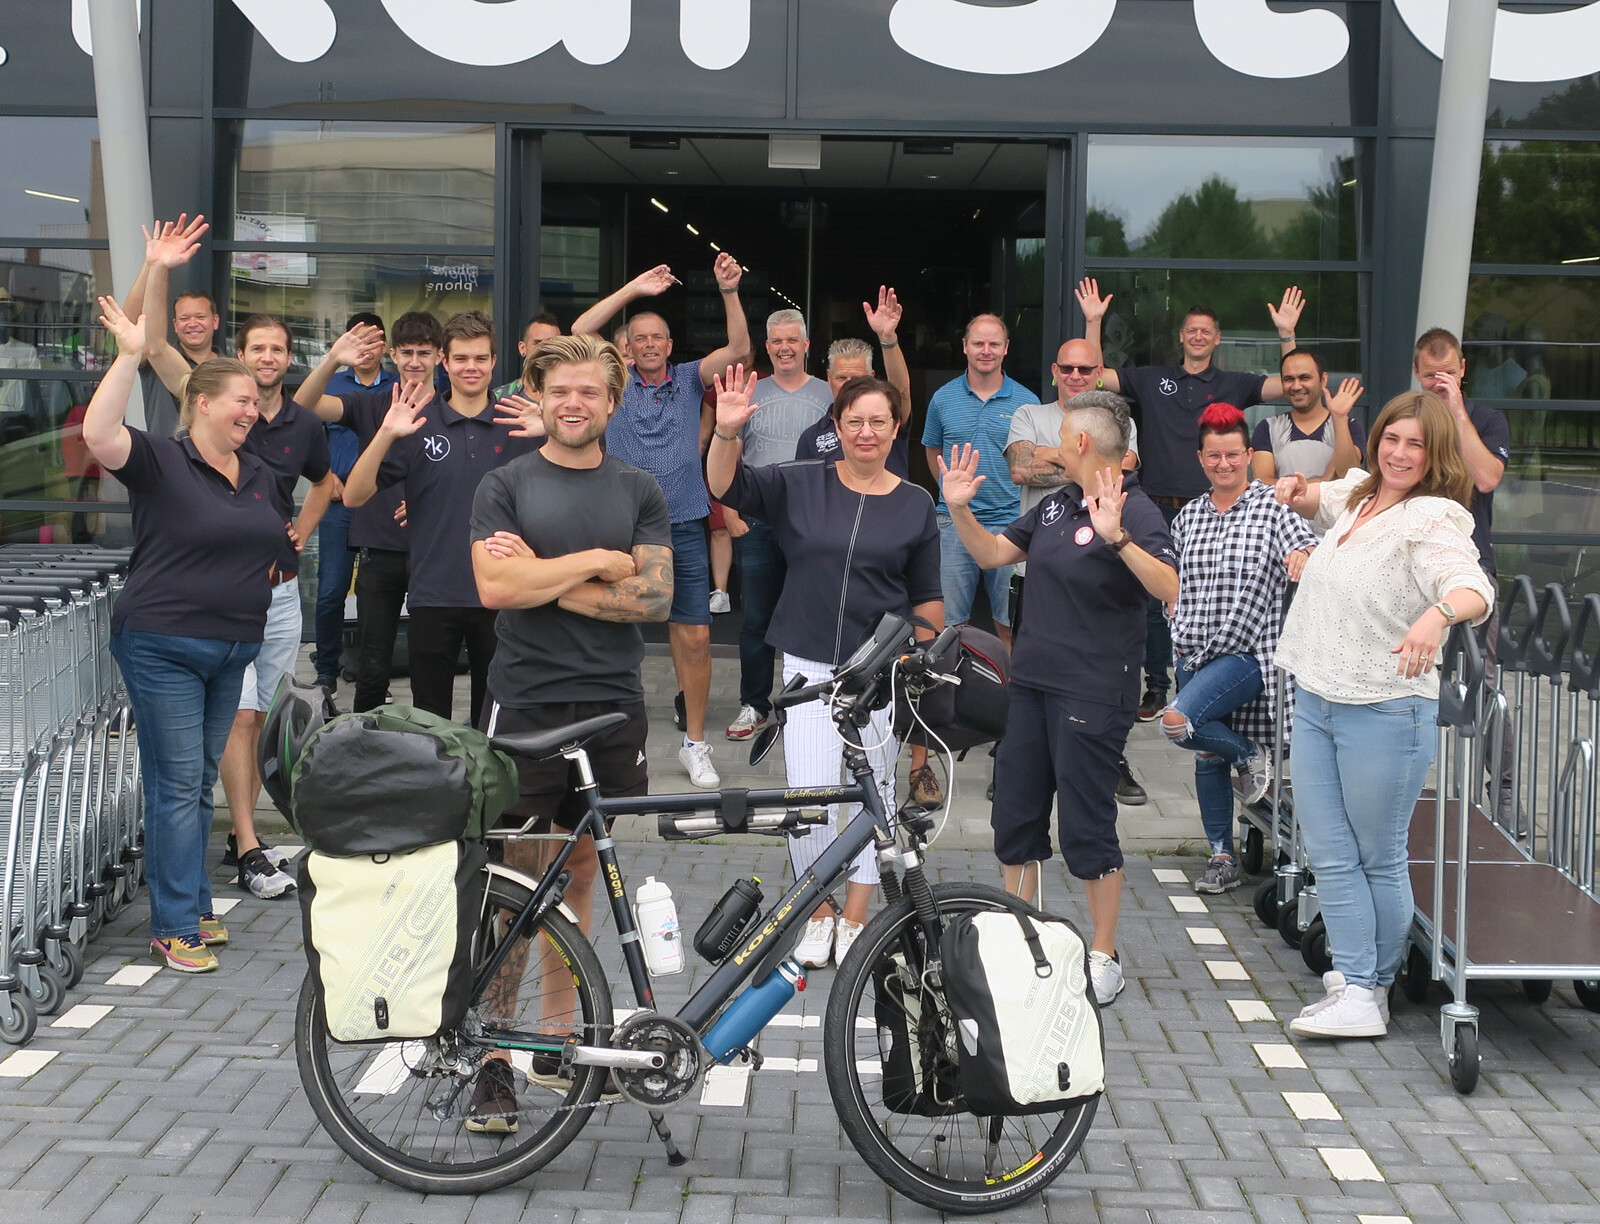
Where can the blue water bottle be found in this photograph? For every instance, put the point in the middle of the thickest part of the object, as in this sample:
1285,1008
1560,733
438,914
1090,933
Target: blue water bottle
754,1008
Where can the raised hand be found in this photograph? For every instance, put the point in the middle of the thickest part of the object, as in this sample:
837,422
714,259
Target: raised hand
1345,399
959,480
733,398
1105,506
521,412
404,417
1286,314
654,282
885,319
172,243
1089,300
728,272
129,333
1289,490
357,344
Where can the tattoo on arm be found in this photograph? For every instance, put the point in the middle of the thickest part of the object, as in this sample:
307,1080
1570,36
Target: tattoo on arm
647,596
1026,469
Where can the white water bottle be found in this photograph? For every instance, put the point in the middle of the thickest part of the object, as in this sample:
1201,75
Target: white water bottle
657,916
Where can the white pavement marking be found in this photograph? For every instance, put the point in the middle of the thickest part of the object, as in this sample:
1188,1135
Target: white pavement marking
1170,875
385,1073
789,1064
24,1063
1383,1219
1250,1009
1206,935
785,1020
83,1016
133,975
1312,1106
1188,905
1279,1054
726,1086
869,1066
222,905
1349,1164
1228,971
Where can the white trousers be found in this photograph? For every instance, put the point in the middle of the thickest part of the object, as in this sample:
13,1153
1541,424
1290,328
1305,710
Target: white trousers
813,755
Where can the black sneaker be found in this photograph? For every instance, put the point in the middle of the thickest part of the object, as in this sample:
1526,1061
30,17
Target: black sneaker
680,713
1151,704
1129,791
260,878
230,853
494,1100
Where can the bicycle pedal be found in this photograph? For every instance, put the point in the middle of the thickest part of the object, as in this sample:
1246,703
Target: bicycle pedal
748,1054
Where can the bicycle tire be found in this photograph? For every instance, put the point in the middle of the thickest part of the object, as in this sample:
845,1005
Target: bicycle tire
1039,1146
401,1115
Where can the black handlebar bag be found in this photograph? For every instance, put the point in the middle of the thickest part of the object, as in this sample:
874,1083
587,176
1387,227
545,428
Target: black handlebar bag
968,714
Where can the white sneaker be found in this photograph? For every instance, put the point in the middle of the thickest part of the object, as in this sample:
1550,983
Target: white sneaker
696,758
1333,983
720,602
1105,975
816,945
1257,775
846,935
747,725
1354,1013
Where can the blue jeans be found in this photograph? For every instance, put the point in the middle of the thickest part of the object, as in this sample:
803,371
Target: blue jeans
691,574
1205,698
1358,770
1157,633
959,575
336,565
184,692
761,573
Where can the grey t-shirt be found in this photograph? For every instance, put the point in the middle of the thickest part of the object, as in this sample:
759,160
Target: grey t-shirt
1040,424
547,655
781,417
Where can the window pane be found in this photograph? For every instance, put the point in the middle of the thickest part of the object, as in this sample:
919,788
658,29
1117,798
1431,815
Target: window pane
1551,489
50,179
48,313
1222,198
42,458
1539,202
1533,337
318,293
359,182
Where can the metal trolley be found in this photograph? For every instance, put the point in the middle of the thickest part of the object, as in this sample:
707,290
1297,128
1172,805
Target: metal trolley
70,802
1519,903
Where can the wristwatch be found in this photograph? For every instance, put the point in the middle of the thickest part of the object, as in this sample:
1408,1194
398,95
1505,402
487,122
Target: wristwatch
1447,611
1121,542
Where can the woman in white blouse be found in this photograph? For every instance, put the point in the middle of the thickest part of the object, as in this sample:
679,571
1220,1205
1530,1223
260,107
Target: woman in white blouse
1396,568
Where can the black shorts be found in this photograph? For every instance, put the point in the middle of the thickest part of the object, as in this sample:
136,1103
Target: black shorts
1066,750
548,787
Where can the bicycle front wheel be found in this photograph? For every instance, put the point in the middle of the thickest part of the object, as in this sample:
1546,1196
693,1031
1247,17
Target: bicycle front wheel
889,1045
449,1114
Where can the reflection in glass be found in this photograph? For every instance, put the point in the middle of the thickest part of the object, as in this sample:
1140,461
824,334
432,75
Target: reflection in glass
1551,489
1533,337
50,179
430,184
1539,202
42,458
318,293
48,314
1222,198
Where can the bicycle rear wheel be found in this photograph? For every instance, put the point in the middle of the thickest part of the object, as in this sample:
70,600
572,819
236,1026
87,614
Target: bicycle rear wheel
401,1109
928,1147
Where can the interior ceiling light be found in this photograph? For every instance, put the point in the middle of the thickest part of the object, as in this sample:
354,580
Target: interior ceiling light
692,230
1583,259
658,204
1350,182
715,247
51,195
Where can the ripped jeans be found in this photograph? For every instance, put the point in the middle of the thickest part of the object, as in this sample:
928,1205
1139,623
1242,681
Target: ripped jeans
1205,698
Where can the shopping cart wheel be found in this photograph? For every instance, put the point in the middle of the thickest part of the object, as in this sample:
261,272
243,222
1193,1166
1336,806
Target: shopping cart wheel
18,1018
1415,976
1537,990
1314,947
1588,993
1254,855
1464,1062
1289,924
51,992
1266,901
71,968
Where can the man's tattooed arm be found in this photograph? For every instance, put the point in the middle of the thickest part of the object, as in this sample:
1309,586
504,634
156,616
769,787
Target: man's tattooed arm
1027,468
647,596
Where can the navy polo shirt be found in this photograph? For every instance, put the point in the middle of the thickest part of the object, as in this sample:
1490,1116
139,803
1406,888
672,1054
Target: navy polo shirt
441,465
372,525
657,429
344,446
202,549
821,441
1494,431
292,444
1084,633
1170,400
956,416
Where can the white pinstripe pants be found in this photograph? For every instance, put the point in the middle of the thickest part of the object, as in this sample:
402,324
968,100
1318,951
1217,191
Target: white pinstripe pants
814,756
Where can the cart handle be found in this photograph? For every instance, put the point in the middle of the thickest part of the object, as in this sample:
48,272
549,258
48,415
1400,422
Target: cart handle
1517,618
1461,682
1585,674
1546,651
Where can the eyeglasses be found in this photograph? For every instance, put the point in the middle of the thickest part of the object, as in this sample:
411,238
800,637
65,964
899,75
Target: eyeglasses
1082,371
1213,458
877,425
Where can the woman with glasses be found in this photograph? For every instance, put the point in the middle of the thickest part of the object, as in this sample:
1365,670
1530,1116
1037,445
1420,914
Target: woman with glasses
859,541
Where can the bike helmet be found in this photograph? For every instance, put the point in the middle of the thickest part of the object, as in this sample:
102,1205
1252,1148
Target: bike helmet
296,713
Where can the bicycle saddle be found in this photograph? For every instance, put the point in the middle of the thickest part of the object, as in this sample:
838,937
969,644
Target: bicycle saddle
540,745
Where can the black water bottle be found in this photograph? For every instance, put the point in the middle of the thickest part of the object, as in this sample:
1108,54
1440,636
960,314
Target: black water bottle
728,918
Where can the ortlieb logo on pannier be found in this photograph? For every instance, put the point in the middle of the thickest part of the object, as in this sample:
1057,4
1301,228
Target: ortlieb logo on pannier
388,937
1028,1036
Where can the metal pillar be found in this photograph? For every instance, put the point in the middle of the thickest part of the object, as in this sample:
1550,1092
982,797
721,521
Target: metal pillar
124,147
1457,158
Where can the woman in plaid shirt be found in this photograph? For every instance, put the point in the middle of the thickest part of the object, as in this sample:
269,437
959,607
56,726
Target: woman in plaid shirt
1238,549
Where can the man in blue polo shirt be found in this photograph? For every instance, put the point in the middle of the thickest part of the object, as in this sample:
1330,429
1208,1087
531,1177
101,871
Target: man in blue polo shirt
975,409
1170,400
662,428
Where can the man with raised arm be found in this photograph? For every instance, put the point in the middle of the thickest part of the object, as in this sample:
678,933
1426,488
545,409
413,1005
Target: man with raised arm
194,322
1317,437
661,427
851,358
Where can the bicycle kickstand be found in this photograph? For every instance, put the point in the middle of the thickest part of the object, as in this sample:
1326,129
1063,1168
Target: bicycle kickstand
658,1123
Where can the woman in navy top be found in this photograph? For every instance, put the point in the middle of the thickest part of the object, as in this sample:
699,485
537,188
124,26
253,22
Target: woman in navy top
858,541
190,618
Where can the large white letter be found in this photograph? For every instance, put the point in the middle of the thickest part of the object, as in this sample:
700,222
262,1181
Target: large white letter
1250,38
1527,46
298,30
492,35
715,33
1029,37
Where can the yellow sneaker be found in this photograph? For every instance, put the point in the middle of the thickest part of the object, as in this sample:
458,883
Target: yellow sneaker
185,953
212,932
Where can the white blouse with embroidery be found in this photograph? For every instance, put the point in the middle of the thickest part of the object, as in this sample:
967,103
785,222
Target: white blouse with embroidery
1359,597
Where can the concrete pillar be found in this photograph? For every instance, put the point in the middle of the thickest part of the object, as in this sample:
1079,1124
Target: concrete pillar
1457,158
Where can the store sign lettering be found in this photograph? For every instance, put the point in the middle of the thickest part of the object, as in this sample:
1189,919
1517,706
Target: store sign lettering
1245,35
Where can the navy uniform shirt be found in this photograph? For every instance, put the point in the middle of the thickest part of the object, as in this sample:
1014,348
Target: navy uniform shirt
344,445
292,444
372,525
1083,635
1494,431
1170,401
202,549
821,441
441,465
